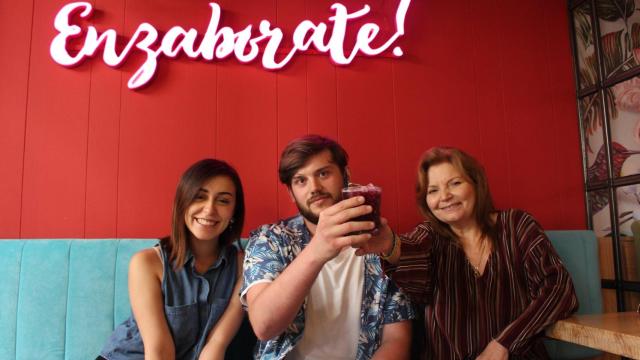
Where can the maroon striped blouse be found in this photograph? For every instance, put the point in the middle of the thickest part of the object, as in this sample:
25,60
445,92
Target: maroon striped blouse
523,289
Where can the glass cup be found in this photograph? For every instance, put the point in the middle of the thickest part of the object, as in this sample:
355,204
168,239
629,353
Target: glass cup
371,194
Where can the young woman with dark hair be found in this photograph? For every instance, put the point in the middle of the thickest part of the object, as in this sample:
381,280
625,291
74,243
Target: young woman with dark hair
183,292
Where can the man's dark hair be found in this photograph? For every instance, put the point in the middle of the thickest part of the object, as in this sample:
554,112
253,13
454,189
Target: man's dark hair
298,152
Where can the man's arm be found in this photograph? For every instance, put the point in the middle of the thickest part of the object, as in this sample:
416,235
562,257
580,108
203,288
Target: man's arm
396,341
272,306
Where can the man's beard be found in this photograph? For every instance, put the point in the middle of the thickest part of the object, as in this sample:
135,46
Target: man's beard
306,211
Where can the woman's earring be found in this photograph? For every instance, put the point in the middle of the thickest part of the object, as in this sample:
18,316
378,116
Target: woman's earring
230,223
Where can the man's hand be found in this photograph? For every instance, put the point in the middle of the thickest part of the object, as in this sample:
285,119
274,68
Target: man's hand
494,351
335,228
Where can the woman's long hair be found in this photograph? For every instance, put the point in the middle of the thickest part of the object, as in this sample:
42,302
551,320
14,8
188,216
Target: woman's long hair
190,184
473,172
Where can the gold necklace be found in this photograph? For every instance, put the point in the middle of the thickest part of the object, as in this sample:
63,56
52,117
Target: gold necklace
476,268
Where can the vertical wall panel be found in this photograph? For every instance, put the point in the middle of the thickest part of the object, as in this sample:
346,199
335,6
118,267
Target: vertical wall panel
361,116
321,80
529,116
435,92
104,129
164,127
247,129
101,160
413,85
253,148
292,120
291,85
56,138
566,136
15,22
488,64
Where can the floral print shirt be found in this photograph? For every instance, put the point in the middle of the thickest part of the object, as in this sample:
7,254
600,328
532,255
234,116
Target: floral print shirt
272,247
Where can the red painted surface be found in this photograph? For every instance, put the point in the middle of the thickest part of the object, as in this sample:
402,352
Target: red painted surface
83,156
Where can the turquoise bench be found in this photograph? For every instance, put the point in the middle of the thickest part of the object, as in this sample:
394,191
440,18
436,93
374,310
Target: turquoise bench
578,250
62,298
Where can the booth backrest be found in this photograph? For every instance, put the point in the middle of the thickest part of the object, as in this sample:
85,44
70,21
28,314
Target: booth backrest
578,250
61,299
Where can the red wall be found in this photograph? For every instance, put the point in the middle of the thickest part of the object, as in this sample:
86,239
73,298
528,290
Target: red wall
83,156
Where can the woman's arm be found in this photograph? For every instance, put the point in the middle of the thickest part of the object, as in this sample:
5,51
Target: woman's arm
551,289
413,265
228,324
145,293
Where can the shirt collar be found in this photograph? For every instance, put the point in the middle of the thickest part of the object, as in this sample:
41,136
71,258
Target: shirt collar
297,223
222,259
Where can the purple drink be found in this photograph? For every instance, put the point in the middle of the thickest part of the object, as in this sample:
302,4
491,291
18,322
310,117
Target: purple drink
371,194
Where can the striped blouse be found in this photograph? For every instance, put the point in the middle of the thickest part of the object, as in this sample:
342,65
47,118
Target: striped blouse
523,289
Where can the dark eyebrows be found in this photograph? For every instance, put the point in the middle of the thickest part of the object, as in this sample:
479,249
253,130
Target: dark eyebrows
324,168
315,173
222,193
448,181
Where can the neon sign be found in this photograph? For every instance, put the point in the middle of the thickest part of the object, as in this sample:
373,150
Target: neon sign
220,42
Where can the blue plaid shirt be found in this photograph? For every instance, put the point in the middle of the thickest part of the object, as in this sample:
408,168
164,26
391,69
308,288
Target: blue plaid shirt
272,247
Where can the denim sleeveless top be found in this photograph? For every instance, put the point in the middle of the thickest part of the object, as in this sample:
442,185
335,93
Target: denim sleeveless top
193,303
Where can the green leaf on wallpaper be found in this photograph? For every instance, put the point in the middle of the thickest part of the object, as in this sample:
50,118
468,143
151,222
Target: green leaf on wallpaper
610,101
583,30
635,35
592,117
582,21
588,71
612,10
612,52
592,113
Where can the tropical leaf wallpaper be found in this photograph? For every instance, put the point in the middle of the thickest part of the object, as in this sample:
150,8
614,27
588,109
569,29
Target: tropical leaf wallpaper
606,36
599,210
619,26
608,104
628,198
625,128
619,22
585,47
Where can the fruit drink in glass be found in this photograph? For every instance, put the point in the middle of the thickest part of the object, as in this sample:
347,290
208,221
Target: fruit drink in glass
371,194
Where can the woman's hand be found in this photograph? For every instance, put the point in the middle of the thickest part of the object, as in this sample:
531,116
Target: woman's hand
494,351
382,243
211,352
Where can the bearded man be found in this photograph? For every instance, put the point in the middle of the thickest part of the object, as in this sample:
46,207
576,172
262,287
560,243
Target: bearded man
308,295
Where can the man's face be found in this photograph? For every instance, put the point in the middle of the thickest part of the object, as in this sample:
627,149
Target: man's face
316,186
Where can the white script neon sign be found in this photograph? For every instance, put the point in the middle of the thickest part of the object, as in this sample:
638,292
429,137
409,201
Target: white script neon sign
220,42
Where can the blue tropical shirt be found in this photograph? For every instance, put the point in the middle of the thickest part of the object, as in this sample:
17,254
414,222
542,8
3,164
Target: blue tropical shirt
272,247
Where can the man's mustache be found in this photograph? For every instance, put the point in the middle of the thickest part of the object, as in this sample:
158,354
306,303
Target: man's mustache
317,197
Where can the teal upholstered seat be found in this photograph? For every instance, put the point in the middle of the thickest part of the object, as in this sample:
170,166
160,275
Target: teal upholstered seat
579,252
61,299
